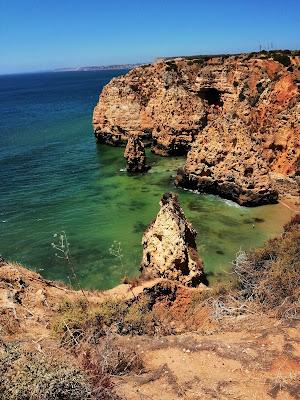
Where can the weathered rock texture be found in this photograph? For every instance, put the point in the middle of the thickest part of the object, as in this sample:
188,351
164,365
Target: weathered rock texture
135,155
225,161
239,115
169,247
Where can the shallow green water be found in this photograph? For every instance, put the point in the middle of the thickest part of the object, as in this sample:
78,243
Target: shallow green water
131,202
55,177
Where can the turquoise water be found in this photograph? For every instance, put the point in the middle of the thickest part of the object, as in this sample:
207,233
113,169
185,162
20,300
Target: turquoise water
55,177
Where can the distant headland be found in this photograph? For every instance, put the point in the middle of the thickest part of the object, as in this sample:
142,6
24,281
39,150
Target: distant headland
98,67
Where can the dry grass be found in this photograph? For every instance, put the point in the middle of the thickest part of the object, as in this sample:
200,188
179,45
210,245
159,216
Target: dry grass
105,359
271,275
281,383
264,280
91,335
30,376
78,322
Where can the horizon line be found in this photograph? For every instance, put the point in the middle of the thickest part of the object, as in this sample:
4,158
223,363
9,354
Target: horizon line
106,66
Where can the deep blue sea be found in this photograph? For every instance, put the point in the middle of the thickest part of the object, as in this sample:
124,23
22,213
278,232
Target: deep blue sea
55,177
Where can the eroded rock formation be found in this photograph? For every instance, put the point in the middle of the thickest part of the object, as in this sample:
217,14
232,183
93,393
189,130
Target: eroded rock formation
224,160
169,247
135,156
237,114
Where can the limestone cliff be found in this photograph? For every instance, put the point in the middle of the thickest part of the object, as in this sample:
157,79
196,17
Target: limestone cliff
224,160
169,246
239,115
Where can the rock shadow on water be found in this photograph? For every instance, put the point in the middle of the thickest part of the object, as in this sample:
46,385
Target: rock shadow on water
259,220
135,205
252,221
215,231
194,206
135,176
139,227
80,252
166,181
107,198
228,221
219,251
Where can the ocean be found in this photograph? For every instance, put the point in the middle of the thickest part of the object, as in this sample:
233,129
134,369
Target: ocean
55,177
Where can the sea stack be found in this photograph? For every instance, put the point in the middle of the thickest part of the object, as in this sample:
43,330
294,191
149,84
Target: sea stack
169,247
135,156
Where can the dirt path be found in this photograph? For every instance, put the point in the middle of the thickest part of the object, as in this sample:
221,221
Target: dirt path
262,362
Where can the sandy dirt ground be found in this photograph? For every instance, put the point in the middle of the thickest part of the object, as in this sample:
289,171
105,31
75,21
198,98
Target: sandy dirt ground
244,358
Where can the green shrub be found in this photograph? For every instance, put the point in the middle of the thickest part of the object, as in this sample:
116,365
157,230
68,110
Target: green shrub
199,61
71,315
259,87
242,97
171,66
111,311
282,59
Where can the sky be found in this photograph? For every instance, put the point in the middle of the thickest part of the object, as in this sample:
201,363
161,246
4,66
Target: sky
40,35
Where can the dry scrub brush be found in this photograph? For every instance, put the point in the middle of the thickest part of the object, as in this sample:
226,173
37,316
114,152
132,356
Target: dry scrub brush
92,336
271,275
26,375
266,279
78,321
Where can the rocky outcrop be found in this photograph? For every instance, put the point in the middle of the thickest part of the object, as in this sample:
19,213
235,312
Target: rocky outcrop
226,161
135,156
254,137
169,247
248,105
153,103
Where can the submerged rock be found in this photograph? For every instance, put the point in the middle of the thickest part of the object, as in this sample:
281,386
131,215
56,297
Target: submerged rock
170,249
135,156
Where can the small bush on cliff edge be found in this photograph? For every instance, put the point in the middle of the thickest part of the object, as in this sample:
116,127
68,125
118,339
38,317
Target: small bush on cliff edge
282,59
171,66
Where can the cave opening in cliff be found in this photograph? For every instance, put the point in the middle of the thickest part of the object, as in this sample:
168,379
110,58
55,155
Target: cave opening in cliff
211,95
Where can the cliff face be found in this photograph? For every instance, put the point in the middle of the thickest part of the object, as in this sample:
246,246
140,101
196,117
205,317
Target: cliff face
154,103
239,115
226,161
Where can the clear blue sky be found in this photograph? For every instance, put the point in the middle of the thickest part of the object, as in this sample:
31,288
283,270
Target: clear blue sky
45,34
